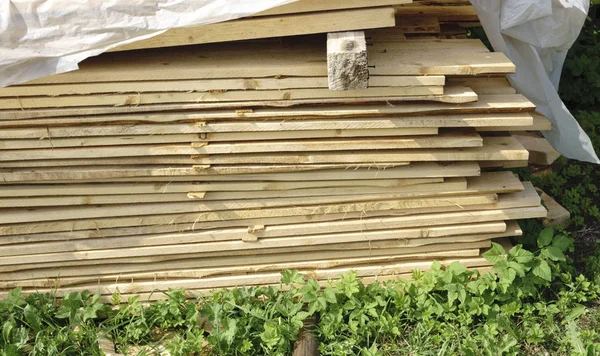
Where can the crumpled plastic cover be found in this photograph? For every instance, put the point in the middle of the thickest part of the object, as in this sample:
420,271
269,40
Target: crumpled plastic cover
536,35
39,38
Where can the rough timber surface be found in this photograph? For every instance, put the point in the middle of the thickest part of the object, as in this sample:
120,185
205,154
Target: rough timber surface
252,110
271,26
272,60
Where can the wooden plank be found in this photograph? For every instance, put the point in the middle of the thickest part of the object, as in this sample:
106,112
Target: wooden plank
317,5
228,210
540,123
272,26
540,150
347,63
173,275
92,135
254,279
485,86
443,13
414,24
451,94
494,149
253,60
484,104
131,235
449,139
490,182
456,184
457,63
204,85
226,240
187,267
179,222
224,173
101,188
379,240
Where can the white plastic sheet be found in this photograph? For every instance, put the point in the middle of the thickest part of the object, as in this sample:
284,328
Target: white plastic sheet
44,37
536,35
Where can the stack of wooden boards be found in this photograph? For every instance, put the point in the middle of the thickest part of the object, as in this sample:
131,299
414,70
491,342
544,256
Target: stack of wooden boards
220,165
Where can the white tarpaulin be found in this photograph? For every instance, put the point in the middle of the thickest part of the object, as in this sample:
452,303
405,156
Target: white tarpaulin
44,37
536,35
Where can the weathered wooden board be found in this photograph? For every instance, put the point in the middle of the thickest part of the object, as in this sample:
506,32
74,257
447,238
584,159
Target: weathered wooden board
260,279
246,173
312,95
233,210
493,149
256,60
485,104
457,185
490,182
207,85
271,26
418,241
450,139
318,5
124,234
101,188
181,222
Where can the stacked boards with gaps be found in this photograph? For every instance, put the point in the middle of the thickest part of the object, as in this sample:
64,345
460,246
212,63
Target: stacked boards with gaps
221,165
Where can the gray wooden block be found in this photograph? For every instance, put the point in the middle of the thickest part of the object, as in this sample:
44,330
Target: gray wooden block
347,60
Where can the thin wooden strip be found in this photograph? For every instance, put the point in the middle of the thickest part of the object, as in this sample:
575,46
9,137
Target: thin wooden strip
229,240
36,190
289,95
193,221
356,241
414,24
390,63
221,131
493,149
443,13
540,123
484,104
93,136
253,279
443,140
485,86
131,235
250,173
206,85
414,190
272,26
188,270
318,5
192,267
229,210
456,185
489,182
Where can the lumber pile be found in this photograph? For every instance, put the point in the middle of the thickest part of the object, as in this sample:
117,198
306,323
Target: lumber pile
222,164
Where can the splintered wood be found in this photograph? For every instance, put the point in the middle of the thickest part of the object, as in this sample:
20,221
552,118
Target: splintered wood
220,165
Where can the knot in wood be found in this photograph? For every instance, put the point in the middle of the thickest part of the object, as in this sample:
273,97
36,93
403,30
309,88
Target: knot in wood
348,45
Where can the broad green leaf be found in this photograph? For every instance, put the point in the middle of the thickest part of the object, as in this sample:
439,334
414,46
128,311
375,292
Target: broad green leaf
554,253
542,270
562,242
576,312
520,255
495,253
545,237
290,277
576,343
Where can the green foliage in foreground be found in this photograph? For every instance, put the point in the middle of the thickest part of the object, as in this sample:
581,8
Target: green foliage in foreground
536,303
